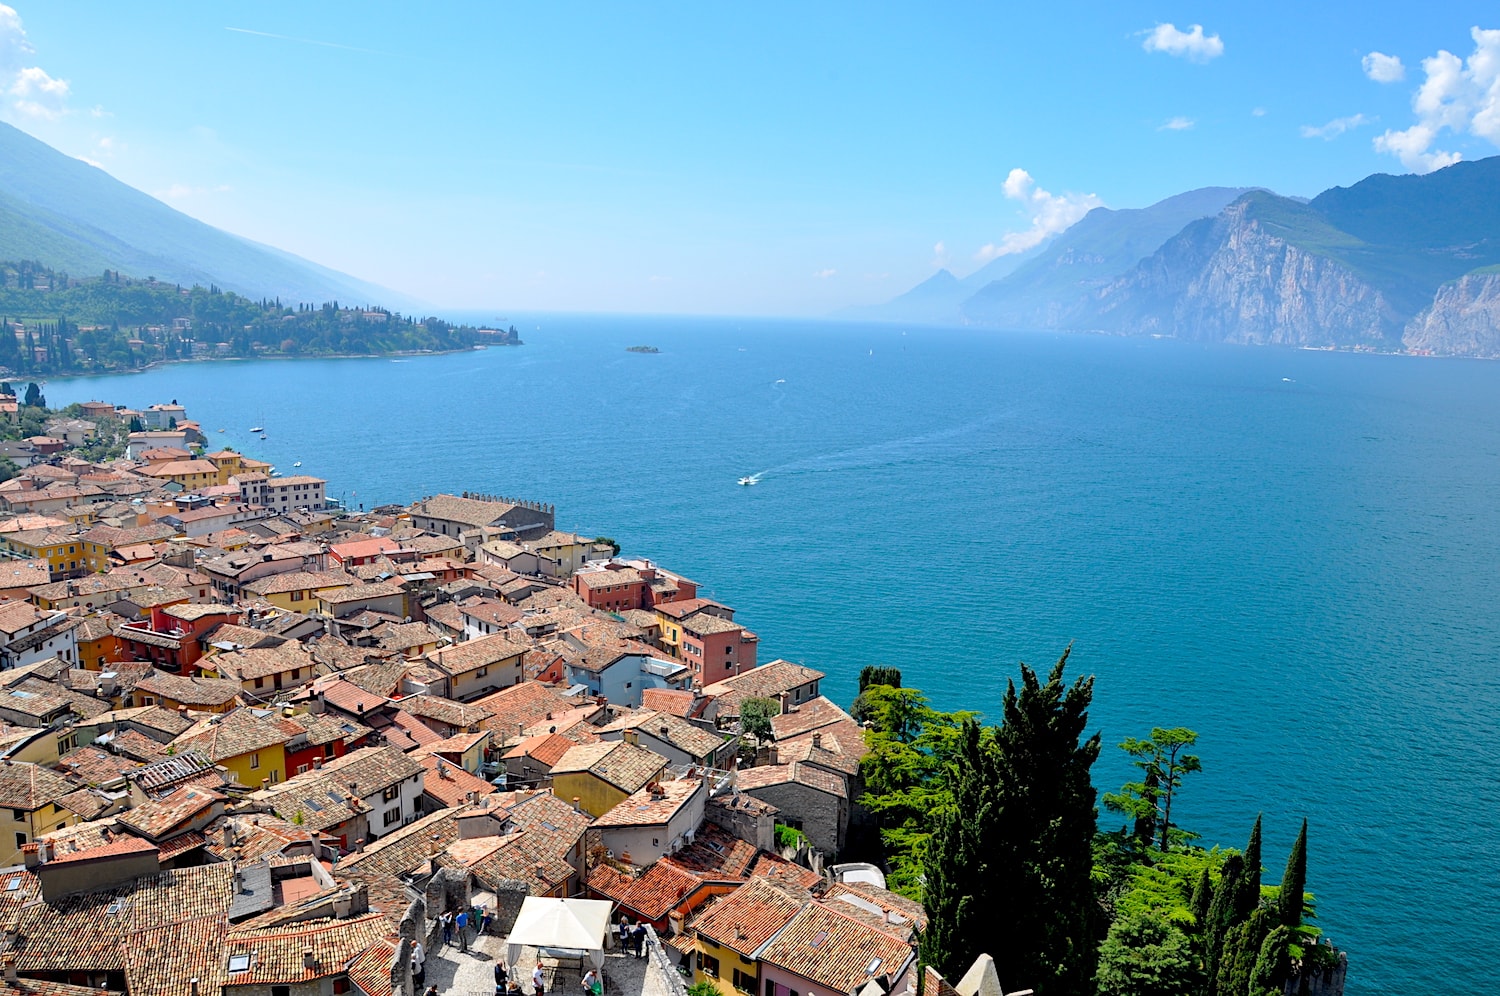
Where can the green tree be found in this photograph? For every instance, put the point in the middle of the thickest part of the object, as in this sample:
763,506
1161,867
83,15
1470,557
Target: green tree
1144,955
34,397
1163,764
1250,890
1221,915
900,712
1294,882
135,425
1273,966
1047,931
879,674
606,541
755,718
956,869
8,469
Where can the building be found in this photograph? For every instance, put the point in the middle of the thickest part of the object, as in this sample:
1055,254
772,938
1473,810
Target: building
675,739
454,515
822,949
30,806
729,934
283,494
363,795
655,821
784,682
249,746
479,667
603,775
29,635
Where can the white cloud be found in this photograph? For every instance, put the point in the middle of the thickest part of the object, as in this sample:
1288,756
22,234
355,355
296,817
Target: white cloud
940,254
31,90
1178,123
1335,128
1383,68
1192,45
1458,95
1050,214
182,191
824,274
1259,112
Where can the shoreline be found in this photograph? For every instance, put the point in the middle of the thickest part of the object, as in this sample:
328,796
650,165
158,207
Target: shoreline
158,364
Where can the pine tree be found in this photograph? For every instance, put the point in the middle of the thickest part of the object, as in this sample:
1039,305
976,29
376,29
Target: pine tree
1203,895
1274,965
957,865
1294,882
1043,914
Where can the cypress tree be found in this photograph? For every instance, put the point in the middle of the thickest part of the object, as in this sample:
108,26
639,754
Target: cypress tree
1042,912
1203,895
959,907
1221,917
1294,882
1249,897
1242,947
1274,964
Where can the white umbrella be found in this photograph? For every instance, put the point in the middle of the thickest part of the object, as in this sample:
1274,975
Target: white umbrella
575,924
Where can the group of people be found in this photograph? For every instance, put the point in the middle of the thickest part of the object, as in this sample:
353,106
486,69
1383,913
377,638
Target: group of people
505,985
632,939
457,925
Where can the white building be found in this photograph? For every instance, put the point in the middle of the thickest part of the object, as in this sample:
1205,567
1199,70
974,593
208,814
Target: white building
282,494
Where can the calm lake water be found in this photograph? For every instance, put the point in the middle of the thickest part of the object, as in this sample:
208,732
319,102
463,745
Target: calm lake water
1294,553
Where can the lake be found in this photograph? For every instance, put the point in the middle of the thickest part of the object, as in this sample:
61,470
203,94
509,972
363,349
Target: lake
1293,553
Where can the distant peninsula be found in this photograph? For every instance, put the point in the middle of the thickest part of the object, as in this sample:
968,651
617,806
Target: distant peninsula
641,349
61,325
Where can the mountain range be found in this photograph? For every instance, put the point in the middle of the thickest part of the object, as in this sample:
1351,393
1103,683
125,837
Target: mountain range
71,216
1390,263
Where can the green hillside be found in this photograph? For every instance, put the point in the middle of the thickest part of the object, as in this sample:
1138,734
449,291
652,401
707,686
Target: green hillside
74,217
61,325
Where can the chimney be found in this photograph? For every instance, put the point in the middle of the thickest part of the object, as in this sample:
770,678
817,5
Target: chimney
31,855
10,968
359,845
193,987
576,807
665,731
308,961
182,710
317,763
818,740
228,834
342,904
775,755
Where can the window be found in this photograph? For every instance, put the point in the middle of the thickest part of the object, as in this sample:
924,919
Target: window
744,983
19,815
240,963
340,986
392,816
297,596
708,965
328,750
260,683
481,672
391,794
20,840
255,760
281,991
301,768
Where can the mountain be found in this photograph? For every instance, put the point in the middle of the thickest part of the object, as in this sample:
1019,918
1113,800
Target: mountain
1391,262
1048,290
71,216
937,299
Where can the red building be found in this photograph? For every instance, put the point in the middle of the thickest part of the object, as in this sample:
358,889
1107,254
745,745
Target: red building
319,738
716,647
360,552
172,639
614,589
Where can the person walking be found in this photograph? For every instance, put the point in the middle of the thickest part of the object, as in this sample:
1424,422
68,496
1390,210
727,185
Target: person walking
447,921
591,986
461,924
501,974
538,980
418,963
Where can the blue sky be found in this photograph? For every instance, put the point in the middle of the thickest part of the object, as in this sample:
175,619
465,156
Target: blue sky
727,158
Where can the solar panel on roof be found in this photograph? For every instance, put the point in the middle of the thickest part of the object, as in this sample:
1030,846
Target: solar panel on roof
315,805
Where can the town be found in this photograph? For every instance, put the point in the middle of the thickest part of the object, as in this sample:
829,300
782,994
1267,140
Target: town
256,744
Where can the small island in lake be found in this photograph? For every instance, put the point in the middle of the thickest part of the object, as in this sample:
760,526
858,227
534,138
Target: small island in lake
641,349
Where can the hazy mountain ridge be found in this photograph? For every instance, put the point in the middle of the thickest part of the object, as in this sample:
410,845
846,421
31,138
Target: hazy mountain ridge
69,215
1390,263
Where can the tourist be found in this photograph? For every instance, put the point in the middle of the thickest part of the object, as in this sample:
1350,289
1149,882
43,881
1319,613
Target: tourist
638,940
624,933
538,980
461,925
592,985
447,921
418,962
431,991
500,975
487,920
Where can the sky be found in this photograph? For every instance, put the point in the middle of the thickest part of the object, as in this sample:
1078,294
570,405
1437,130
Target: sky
776,159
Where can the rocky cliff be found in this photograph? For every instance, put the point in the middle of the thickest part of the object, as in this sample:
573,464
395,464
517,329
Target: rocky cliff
1239,278
1463,319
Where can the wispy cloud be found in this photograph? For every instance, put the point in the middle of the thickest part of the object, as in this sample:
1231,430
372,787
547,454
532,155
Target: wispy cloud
1336,127
1192,45
1050,214
183,191
824,274
1383,68
306,41
1459,96
940,254
1259,112
1178,123
31,91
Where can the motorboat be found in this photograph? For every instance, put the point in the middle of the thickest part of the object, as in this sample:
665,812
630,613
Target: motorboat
747,481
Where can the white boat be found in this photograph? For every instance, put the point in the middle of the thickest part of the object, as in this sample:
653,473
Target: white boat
297,464
257,428
221,430
263,435
747,481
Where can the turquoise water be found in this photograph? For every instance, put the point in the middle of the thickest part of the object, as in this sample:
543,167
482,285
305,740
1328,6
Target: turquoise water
1293,553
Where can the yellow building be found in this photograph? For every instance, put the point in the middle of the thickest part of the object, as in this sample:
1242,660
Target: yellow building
30,806
603,775
191,474
728,933
63,551
229,463
298,591
252,749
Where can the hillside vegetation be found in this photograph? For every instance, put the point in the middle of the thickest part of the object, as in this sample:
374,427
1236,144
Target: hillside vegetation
62,325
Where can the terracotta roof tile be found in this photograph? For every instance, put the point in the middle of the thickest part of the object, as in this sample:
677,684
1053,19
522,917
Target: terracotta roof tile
748,917
625,766
836,951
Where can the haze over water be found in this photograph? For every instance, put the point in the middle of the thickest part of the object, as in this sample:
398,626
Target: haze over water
1293,553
